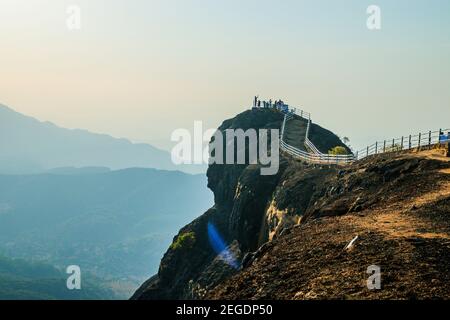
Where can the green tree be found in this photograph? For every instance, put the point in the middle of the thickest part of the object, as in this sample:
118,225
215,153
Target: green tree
338,150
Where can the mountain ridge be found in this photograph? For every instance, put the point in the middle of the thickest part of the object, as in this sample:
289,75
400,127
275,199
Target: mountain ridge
32,146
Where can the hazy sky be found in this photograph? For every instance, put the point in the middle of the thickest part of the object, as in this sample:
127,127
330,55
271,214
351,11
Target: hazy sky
141,68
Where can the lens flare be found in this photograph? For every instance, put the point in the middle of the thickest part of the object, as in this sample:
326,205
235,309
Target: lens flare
219,246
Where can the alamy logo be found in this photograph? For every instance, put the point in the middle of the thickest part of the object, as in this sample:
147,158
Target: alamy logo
374,281
73,21
374,19
196,150
74,280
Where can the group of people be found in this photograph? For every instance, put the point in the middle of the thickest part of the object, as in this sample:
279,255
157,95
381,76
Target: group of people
278,104
443,138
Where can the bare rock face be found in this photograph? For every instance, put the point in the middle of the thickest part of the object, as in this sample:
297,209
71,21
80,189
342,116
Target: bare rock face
250,209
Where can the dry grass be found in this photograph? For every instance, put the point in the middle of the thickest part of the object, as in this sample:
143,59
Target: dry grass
406,232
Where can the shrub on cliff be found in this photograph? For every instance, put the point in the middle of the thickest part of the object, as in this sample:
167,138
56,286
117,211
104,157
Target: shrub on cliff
184,240
338,150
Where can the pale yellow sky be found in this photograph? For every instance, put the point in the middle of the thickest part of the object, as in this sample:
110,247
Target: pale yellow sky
139,69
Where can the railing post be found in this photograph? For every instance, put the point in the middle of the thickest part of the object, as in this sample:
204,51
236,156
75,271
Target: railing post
418,144
367,152
429,140
401,147
384,146
376,147
409,147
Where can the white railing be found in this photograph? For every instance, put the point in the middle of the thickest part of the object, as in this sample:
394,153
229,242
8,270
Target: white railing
419,141
315,156
308,143
338,158
410,142
311,157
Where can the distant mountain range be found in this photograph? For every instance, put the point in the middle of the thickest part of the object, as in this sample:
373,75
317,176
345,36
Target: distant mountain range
71,197
30,146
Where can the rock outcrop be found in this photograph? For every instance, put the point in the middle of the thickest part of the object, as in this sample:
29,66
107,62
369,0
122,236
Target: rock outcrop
250,210
393,210
314,231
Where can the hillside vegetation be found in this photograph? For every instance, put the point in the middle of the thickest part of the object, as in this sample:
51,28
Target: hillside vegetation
25,280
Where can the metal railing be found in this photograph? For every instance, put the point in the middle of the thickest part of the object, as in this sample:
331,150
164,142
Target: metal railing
315,156
311,157
409,142
339,158
421,140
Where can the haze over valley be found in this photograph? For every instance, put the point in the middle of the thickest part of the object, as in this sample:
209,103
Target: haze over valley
68,198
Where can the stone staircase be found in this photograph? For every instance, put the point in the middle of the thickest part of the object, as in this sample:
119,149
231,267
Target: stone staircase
295,132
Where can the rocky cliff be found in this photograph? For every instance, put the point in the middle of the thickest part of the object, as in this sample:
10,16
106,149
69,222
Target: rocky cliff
250,209
285,236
